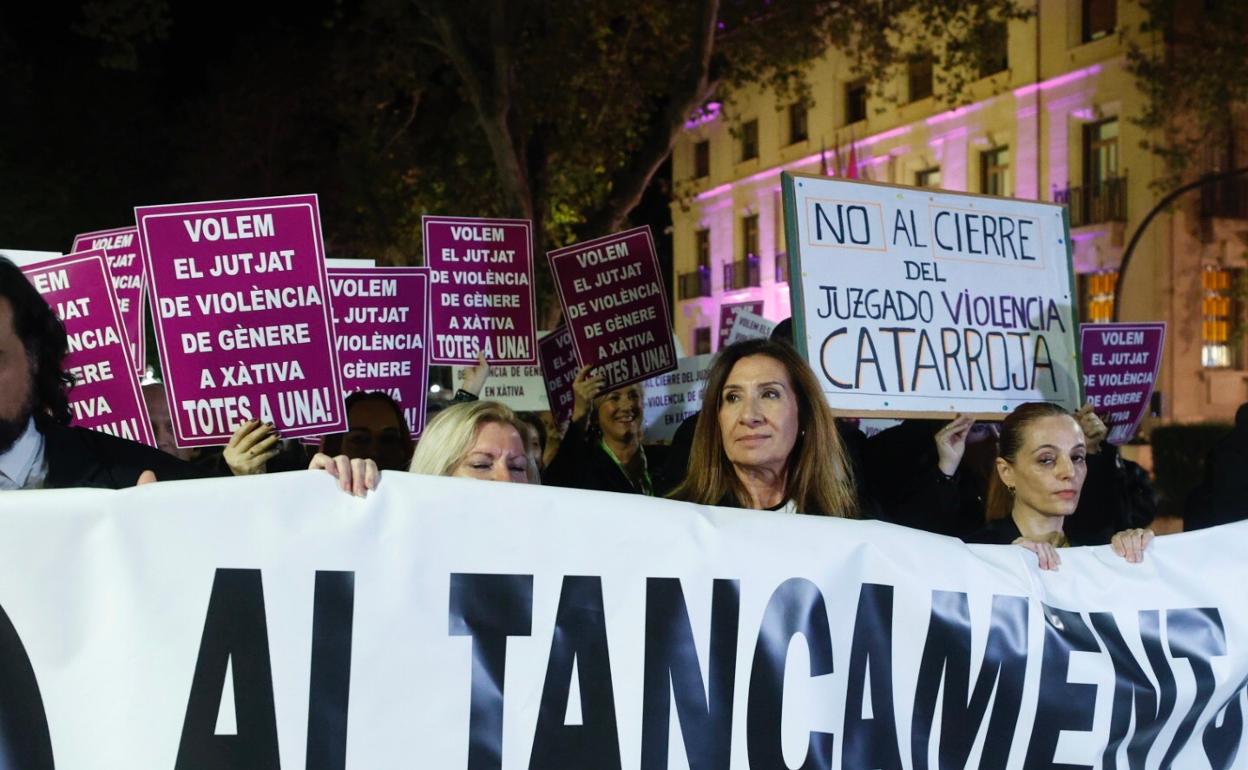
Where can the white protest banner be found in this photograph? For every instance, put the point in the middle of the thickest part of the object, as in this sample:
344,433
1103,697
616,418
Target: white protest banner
912,302
748,326
671,398
449,623
125,264
521,388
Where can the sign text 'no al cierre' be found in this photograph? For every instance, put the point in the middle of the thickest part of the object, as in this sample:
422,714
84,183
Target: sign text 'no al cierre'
241,305
911,301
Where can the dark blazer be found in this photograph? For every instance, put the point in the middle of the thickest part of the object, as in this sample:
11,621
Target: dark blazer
78,457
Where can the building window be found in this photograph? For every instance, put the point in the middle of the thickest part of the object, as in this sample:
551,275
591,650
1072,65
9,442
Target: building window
749,140
702,159
799,130
855,101
749,235
994,171
919,74
1098,296
928,177
1100,152
1217,311
1098,17
701,340
994,48
703,248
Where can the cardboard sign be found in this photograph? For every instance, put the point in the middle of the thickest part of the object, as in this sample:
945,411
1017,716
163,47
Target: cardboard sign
612,296
121,245
521,388
241,307
674,397
559,369
1120,366
913,302
105,395
748,326
482,274
381,323
728,314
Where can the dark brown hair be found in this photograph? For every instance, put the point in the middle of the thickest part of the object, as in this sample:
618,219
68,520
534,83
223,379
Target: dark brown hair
818,478
1000,502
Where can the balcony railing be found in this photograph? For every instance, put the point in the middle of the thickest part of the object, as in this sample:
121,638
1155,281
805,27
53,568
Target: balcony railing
742,274
695,284
1105,201
1225,198
782,268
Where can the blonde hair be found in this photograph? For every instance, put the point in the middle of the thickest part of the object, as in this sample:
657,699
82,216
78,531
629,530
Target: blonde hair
819,479
449,435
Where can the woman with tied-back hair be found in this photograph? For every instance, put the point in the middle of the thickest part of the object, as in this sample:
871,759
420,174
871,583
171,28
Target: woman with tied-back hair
766,438
478,440
1041,467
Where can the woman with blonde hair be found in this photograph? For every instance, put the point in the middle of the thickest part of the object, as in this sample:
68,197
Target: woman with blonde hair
476,439
766,439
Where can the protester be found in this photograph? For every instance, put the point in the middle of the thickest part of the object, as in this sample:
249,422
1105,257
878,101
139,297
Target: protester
475,439
1222,495
1041,468
602,449
162,422
38,449
376,430
534,438
765,438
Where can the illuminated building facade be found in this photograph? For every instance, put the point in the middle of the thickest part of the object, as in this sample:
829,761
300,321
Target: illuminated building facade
1049,120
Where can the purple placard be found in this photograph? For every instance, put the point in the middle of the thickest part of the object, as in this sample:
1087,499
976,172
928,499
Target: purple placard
241,306
106,395
481,274
613,299
728,314
559,370
381,317
121,247
1120,365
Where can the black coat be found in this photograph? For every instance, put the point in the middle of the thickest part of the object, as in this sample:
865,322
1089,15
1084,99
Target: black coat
581,463
77,457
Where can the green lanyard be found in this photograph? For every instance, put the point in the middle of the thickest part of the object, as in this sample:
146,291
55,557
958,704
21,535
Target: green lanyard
647,488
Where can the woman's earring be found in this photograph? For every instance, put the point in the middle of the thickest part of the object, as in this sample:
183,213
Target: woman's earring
1011,491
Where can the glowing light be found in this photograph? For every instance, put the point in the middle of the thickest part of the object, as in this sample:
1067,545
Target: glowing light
1057,82
706,115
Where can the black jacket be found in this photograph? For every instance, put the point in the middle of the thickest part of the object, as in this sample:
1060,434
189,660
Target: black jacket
77,457
581,463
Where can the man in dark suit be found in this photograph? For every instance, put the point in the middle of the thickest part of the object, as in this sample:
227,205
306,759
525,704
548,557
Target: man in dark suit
38,449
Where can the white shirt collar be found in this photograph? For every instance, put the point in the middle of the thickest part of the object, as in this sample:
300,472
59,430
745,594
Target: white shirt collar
22,466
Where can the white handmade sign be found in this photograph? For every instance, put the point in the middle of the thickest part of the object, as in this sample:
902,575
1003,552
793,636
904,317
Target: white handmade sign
910,301
674,397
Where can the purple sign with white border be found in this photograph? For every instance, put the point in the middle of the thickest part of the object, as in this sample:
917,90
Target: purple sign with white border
559,370
1120,365
728,314
381,318
105,395
242,317
121,247
613,299
481,277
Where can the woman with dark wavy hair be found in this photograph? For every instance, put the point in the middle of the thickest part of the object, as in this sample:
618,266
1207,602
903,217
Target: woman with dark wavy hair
766,438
